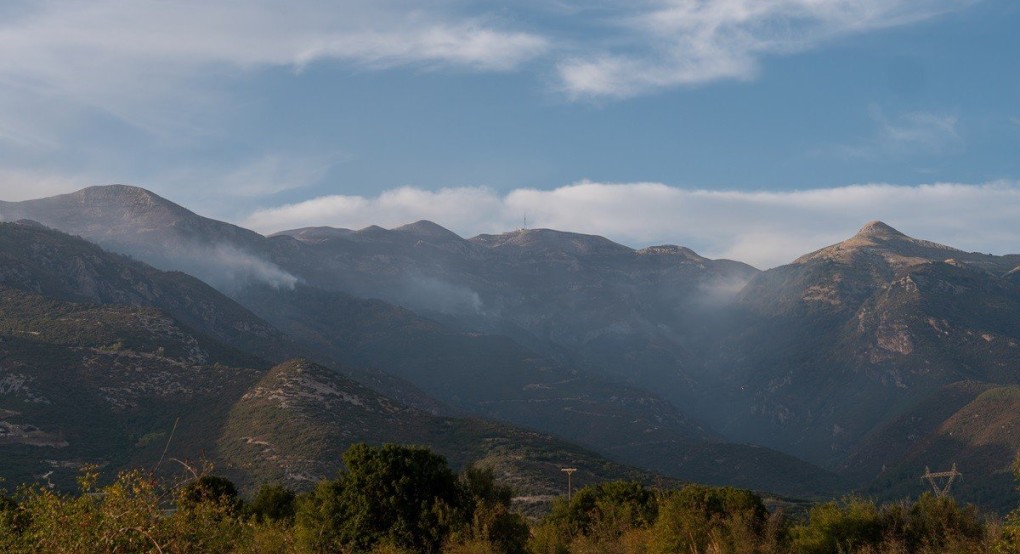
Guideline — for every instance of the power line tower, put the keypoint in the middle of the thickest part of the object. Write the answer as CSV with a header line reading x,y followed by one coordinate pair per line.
x,y
941,481
569,471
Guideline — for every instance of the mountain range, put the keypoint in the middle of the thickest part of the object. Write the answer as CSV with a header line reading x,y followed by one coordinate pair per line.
x,y
852,368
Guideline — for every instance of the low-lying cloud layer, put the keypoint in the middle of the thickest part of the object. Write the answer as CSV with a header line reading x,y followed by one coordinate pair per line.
x,y
764,229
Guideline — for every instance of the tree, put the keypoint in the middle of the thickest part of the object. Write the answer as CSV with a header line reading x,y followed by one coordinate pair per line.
x,y
272,503
404,496
491,520
209,488
698,518
596,515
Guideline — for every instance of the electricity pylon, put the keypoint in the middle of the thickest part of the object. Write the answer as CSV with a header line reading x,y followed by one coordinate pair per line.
x,y
569,471
941,481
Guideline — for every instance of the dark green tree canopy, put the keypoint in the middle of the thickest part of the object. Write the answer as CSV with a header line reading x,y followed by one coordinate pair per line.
x,y
405,496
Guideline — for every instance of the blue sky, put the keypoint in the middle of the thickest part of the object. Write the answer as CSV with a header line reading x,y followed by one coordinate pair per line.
x,y
587,115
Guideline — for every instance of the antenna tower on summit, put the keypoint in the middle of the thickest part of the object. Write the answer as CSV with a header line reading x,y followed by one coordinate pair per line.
x,y
525,228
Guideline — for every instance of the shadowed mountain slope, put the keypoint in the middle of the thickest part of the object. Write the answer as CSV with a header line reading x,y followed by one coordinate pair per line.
x,y
96,368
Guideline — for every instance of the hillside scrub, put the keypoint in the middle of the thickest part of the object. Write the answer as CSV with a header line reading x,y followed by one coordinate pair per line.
x,y
398,500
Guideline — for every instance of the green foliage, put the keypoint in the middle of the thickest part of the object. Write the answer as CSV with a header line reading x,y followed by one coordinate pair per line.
x,y
1009,542
698,518
493,526
128,515
404,500
406,496
208,488
596,518
839,527
272,503
930,524
607,510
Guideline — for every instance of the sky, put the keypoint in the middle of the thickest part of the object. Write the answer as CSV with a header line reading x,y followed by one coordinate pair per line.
x,y
749,129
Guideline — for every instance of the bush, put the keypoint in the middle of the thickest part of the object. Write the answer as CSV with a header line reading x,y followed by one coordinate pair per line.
x,y
595,517
698,518
129,515
839,527
930,524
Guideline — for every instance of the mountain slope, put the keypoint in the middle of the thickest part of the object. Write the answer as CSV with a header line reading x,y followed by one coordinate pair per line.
x,y
94,370
972,425
495,377
522,323
55,265
825,349
295,422
134,221
603,301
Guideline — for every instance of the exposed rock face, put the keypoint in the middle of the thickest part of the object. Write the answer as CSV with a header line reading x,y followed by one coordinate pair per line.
x,y
862,328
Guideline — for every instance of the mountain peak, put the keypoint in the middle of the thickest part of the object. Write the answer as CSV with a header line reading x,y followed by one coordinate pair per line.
x,y
123,195
550,240
896,248
878,229
426,229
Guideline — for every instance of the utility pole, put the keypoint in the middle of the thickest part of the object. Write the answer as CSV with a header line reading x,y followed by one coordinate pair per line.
x,y
569,471
941,481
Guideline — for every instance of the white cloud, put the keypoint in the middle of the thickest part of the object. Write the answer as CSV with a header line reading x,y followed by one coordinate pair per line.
x,y
168,67
688,42
761,228
147,62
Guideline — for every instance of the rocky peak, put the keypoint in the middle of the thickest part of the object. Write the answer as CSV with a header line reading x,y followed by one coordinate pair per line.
x,y
877,240
672,250
878,230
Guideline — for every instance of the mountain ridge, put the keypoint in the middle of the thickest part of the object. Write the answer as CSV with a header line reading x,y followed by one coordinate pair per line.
x,y
809,358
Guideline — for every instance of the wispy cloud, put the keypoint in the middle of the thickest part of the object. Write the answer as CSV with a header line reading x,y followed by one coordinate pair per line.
x,y
905,134
761,228
668,43
144,62
264,175
124,57
928,132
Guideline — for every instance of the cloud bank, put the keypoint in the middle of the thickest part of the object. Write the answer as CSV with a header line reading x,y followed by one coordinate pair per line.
x,y
764,229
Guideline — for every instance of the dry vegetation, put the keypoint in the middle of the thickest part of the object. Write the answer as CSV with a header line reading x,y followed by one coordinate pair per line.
x,y
398,500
